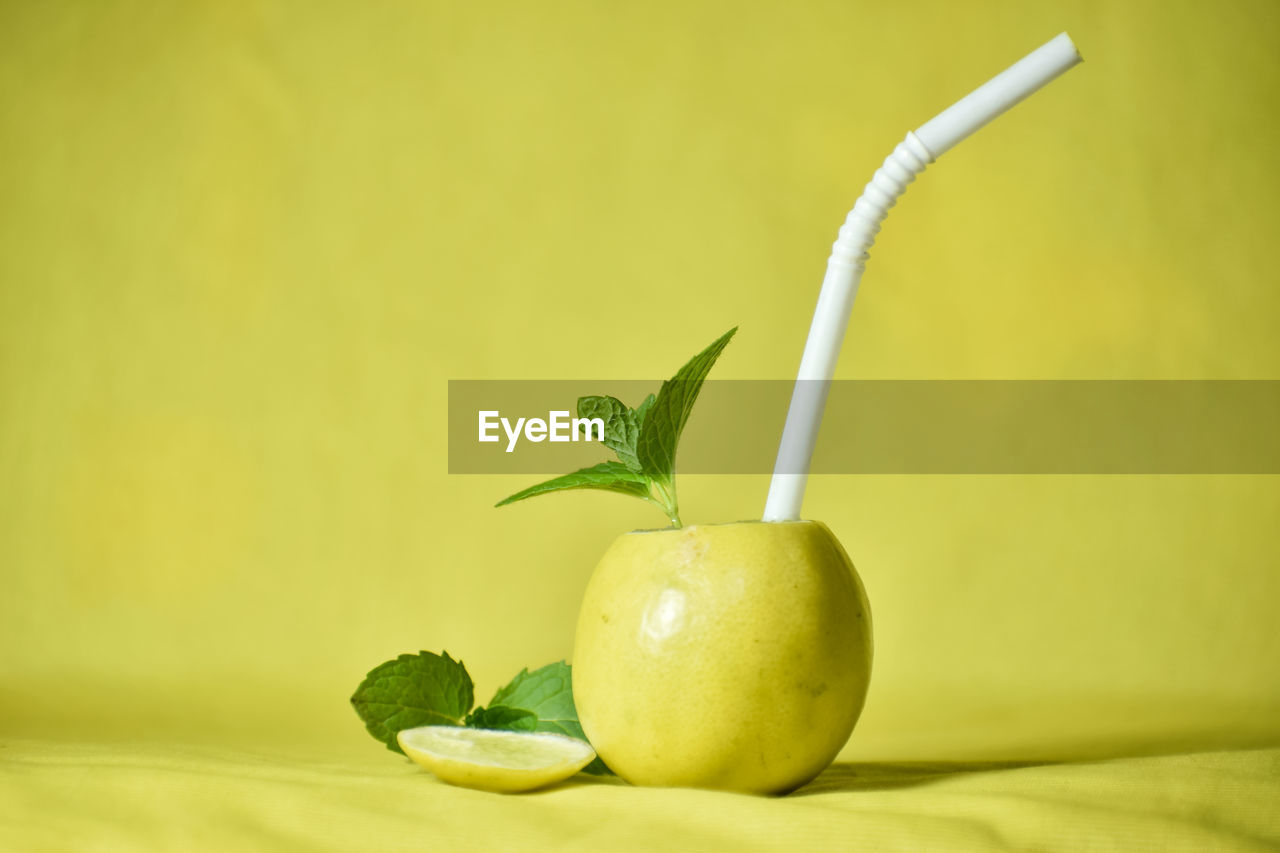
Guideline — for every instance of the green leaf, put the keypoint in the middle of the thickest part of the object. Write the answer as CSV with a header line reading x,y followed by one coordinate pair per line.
x,y
502,718
665,420
413,690
621,426
620,431
548,693
642,410
609,476
644,439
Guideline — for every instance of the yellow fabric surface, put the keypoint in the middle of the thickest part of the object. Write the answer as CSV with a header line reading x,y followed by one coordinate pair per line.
x,y
147,797
244,245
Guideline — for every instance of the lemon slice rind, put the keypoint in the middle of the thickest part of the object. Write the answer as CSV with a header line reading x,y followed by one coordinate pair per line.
x,y
506,762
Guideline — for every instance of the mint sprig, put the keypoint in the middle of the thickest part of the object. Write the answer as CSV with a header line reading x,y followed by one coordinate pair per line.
x,y
644,439
427,689
413,690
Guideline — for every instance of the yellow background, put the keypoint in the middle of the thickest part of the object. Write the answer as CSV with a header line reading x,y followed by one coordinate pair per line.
x,y
243,247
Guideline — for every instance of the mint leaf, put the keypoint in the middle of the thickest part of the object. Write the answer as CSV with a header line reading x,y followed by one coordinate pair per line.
x,y
503,718
427,689
413,690
642,410
621,428
547,693
609,476
644,439
665,420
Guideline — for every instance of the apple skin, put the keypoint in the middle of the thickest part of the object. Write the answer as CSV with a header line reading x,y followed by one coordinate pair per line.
x,y
727,656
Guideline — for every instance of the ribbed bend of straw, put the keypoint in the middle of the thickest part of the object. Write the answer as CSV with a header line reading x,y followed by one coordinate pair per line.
x,y
858,233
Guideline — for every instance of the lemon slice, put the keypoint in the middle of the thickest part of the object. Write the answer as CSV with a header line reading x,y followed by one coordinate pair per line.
x,y
495,761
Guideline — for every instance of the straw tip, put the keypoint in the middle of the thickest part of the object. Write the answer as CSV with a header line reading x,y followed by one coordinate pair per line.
x,y
1066,41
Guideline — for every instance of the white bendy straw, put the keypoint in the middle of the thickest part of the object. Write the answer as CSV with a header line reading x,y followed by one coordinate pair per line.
x,y
849,254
